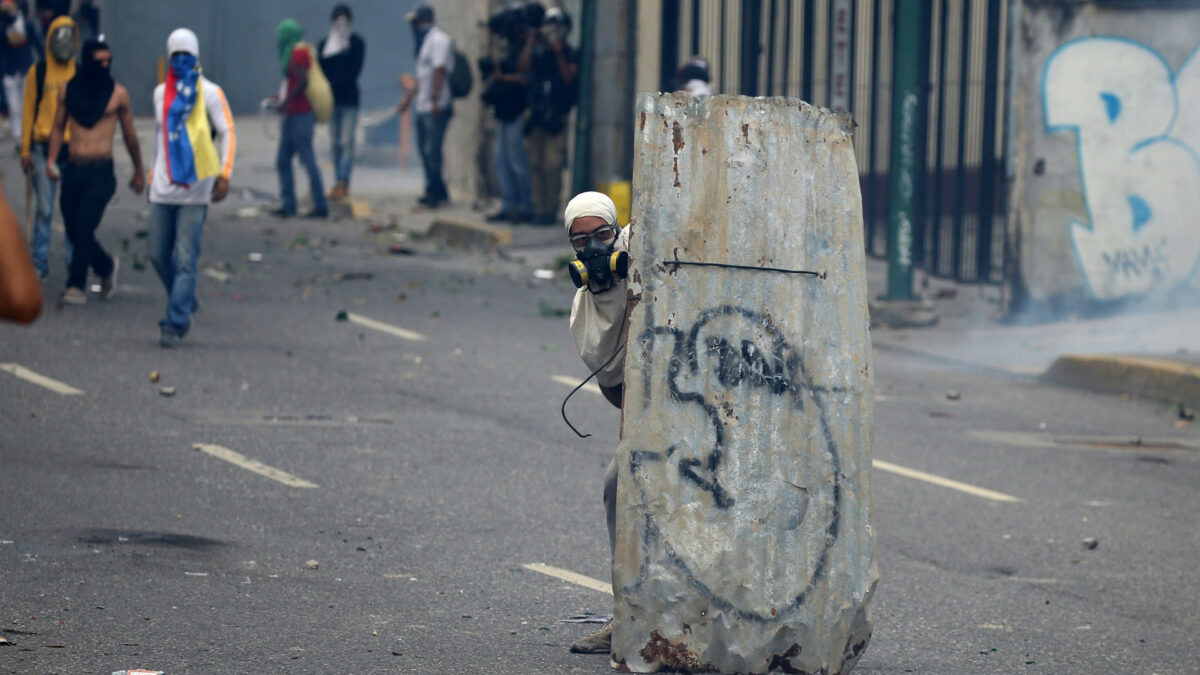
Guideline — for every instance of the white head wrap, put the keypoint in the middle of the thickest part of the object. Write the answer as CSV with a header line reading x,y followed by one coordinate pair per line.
x,y
590,204
183,40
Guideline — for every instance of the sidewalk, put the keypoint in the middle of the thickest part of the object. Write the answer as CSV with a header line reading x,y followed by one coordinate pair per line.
x,y
1153,354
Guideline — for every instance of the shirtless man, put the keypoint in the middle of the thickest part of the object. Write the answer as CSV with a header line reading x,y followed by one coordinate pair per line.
x,y
92,104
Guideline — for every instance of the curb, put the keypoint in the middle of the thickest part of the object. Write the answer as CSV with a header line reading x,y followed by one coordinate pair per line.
x,y
1159,379
469,234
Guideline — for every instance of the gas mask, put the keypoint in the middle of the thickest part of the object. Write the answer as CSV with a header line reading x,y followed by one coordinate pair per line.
x,y
62,43
598,266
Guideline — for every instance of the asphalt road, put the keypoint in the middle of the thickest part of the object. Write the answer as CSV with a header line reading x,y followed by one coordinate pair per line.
x,y
424,468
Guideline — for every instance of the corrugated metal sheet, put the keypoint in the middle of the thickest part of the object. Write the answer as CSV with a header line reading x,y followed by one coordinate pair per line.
x,y
744,494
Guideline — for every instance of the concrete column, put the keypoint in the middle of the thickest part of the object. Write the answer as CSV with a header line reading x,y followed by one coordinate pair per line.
x,y
744,539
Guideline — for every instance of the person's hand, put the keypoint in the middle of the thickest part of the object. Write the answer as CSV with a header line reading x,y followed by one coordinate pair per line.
x,y
138,182
557,45
220,189
52,171
27,165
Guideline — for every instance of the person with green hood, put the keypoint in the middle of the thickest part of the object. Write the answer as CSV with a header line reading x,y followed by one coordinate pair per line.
x,y
296,136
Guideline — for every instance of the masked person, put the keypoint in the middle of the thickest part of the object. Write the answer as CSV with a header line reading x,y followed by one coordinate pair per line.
x,y
89,108
298,123
552,65
16,56
435,63
598,326
42,85
342,55
693,77
193,158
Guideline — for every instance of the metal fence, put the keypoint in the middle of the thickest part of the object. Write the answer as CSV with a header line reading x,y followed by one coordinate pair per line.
x,y
838,54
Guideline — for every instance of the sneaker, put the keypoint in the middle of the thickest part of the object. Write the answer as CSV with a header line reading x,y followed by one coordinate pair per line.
x,y
168,339
281,213
599,642
108,285
316,215
340,191
74,296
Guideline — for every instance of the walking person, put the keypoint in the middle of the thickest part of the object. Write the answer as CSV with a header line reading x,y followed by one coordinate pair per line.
x,y
89,108
16,56
435,63
42,85
194,145
342,55
296,137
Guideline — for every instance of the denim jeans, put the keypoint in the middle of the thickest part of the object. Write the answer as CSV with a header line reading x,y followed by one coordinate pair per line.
x,y
84,194
431,132
547,159
341,133
173,236
512,167
44,189
295,138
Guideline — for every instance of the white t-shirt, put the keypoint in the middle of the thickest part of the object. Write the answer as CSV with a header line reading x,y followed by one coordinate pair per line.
x,y
437,51
162,191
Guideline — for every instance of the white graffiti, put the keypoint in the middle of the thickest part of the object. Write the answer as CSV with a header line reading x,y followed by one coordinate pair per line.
x,y
1137,126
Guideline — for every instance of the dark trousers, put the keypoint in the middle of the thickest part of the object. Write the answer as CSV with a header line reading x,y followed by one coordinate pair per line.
x,y
86,189
431,132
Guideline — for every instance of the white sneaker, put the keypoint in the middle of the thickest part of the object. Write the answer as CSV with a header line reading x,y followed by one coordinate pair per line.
x,y
108,285
74,296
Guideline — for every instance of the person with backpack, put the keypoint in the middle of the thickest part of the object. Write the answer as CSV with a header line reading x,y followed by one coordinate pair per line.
x,y
42,84
342,55
194,145
434,102
299,121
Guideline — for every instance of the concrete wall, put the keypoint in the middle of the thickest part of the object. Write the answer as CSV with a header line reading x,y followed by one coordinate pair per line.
x,y
1105,190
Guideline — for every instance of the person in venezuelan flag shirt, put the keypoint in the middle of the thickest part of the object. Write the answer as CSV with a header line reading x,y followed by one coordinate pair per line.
x,y
194,145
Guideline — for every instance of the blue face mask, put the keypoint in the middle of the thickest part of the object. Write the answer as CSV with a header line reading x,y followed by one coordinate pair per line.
x,y
182,63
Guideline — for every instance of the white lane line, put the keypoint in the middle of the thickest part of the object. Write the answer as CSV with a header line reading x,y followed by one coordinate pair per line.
x,y
40,380
573,382
254,465
569,576
383,327
944,482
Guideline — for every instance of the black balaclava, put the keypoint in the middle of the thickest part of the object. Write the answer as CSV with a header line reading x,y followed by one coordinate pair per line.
x,y
89,92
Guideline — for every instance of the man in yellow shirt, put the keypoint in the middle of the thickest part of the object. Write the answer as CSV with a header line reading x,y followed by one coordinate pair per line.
x,y
41,103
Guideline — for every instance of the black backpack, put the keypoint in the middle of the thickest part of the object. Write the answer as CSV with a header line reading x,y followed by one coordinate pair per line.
x,y
461,79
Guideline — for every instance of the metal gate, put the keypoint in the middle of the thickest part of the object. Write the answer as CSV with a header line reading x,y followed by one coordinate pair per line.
x,y
838,54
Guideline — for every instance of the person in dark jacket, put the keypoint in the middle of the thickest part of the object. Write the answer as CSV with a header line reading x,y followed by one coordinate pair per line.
x,y
16,55
342,54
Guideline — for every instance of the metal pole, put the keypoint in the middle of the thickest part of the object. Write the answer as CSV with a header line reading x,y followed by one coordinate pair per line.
x,y
581,178
908,109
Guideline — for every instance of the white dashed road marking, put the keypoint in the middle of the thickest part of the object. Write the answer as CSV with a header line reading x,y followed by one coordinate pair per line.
x,y
384,328
944,482
569,576
572,383
41,380
254,465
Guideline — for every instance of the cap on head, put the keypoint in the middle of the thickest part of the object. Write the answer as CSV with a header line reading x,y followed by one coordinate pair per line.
x,y
590,204
341,9
556,15
183,40
421,13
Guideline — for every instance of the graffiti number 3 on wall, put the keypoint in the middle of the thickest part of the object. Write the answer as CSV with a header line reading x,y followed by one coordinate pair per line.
x,y
1137,127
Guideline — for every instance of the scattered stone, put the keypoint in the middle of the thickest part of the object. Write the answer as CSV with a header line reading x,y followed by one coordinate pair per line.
x,y
953,395
1090,543
1186,414
154,376
342,316
311,565
255,257
167,392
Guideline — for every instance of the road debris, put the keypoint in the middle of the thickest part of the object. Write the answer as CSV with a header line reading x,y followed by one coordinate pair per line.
x,y
587,617
154,376
342,316
249,212
167,392
953,395
543,274
401,249
255,257
311,565
1090,543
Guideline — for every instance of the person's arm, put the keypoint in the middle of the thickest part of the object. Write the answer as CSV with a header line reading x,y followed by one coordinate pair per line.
x,y
297,72
358,55
566,69
525,60
20,292
125,115
439,80
56,134
27,118
222,123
